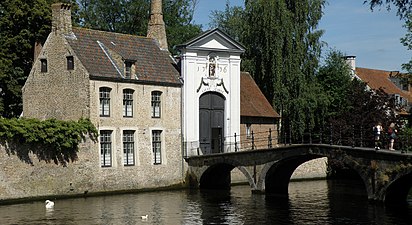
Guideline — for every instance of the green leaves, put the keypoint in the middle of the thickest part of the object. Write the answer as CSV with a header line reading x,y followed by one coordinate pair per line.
x,y
21,24
50,140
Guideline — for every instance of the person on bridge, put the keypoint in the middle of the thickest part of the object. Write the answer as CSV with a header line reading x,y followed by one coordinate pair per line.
x,y
377,130
392,135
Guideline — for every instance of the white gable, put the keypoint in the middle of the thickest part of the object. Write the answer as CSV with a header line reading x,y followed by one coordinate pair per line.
x,y
214,40
214,44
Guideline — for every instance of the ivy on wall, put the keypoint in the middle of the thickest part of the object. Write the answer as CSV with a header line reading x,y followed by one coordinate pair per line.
x,y
50,140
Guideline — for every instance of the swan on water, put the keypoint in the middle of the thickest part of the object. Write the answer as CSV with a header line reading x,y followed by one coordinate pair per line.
x,y
145,217
49,204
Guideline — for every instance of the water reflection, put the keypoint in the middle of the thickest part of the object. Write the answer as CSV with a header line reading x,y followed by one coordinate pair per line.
x,y
311,202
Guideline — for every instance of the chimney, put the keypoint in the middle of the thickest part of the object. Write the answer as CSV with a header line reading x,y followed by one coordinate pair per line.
x,y
351,61
61,18
156,28
37,49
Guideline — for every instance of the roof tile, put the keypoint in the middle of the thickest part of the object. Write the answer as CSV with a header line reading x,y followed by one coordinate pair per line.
x,y
152,64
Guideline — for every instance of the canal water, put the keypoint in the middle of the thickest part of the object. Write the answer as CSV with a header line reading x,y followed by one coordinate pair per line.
x,y
309,202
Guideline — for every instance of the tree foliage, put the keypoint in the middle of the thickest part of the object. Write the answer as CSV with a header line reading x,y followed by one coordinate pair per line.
x,y
230,20
49,140
282,53
21,24
404,7
132,16
407,42
353,109
335,78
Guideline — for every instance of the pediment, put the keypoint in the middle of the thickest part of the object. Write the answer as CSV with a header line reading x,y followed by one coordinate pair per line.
x,y
215,40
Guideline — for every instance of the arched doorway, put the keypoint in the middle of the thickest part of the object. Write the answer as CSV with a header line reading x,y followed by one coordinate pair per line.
x,y
211,122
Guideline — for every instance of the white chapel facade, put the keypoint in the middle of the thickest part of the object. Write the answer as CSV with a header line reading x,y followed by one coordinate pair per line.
x,y
210,69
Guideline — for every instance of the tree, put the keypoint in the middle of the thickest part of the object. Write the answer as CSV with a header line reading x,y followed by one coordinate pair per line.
x,y
335,78
282,53
353,109
230,20
22,23
131,17
178,16
407,42
404,6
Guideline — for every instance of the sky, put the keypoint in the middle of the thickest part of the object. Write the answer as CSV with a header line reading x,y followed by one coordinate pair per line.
x,y
350,27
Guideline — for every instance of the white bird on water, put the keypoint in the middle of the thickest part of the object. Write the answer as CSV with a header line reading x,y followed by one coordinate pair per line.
x,y
49,204
145,217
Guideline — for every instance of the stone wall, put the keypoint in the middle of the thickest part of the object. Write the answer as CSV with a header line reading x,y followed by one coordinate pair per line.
x,y
58,93
20,180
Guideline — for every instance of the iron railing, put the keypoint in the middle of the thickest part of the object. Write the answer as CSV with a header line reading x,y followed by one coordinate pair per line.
x,y
354,137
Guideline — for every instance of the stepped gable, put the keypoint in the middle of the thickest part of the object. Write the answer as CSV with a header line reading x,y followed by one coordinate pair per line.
x,y
94,49
252,101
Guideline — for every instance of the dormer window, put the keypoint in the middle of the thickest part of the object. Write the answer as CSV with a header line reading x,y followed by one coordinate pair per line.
x,y
70,62
128,69
43,65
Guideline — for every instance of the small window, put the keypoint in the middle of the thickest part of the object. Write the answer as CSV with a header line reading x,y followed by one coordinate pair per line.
x,y
106,148
104,95
156,104
70,63
127,103
43,64
157,146
248,131
128,147
128,70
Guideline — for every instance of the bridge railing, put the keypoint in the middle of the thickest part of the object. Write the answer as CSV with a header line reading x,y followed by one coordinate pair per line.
x,y
352,136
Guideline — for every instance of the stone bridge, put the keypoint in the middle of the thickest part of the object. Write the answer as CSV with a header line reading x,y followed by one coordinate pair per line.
x,y
387,175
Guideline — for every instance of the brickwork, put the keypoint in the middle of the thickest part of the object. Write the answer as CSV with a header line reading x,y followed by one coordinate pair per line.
x,y
261,136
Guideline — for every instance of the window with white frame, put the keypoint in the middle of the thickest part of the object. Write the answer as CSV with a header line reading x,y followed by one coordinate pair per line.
x,y
127,103
157,146
106,148
128,147
104,96
248,131
156,104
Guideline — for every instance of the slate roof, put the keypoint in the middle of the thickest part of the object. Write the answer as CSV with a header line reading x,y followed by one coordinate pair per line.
x,y
152,64
380,79
252,101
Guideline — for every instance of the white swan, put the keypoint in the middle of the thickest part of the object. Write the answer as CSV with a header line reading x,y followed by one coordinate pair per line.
x,y
145,217
49,204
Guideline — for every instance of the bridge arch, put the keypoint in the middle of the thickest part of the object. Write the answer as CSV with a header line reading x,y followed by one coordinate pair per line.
x,y
275,176
218,176
398,190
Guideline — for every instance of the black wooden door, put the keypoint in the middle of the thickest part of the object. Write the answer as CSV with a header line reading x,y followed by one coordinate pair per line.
x,y
211,122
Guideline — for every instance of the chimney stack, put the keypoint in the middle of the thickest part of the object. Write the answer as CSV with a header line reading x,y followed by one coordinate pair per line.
x,y
61,18
156,28
351,61
37,49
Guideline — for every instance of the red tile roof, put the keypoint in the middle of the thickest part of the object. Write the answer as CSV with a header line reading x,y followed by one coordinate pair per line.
x,y
376,79
152,64
252,101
